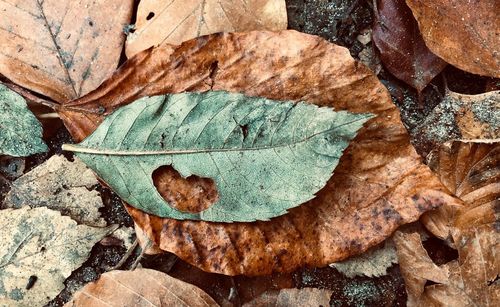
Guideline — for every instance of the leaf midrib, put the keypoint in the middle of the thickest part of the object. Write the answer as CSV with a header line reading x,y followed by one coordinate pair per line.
x,y
54,41
112,152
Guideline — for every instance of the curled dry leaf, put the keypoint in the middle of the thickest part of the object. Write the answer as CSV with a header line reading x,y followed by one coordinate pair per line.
x,y
471,171
141,287
460,116
372,263
59,185
416,266
305,297
61,49
20,131
465,34
402,49
40,249
379,184
468,281
173,22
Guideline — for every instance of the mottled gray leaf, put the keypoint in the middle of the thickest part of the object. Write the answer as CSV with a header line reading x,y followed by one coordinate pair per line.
x,y
20,131
265,157
60,185
40,249
305,297
372,263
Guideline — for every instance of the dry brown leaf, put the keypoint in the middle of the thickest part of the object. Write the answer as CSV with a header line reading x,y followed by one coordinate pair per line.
x,y
461,116
60,185
470,281
305,297
176,21
40,249
379,184
471,171
416,266
465,34
141,287
61,49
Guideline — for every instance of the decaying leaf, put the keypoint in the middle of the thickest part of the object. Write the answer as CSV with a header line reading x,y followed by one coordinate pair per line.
x,y
460,116
402,49
471,171
468,281
463,33
306,297
141,287
40,248
59,185
62,49
372,263
20,131
176,21
264,156
379,184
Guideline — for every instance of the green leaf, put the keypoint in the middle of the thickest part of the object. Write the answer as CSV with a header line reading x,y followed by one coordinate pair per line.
x,y
20,131
264,156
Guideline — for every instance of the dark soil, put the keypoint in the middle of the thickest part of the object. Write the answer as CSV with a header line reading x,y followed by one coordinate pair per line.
x,y
340,22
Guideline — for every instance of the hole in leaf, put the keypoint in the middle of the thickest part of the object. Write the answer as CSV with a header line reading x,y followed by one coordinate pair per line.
x,y
244,130
192,194
150,16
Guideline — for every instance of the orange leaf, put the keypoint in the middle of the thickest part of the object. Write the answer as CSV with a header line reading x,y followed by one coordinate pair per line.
x,y
379,184
462,33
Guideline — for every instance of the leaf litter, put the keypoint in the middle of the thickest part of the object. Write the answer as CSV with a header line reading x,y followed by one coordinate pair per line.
x,y
215,69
